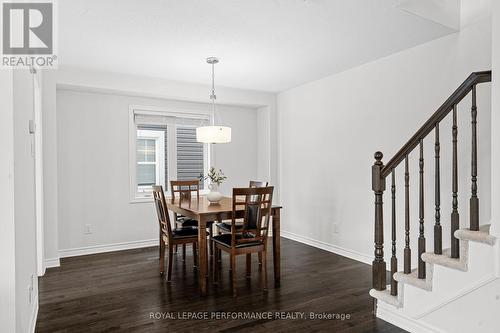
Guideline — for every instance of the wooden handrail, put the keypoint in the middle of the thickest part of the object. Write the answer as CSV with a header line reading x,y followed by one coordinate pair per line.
x,y
429,125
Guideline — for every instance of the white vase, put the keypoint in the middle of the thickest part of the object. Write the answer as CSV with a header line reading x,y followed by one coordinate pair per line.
x,y
214,196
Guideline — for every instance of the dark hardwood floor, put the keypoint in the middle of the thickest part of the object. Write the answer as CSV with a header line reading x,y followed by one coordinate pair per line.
x,y
121,291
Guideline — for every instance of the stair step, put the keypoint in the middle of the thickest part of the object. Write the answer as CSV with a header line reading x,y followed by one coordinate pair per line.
x,y
430,258
481,236
385,296
445,260
412,279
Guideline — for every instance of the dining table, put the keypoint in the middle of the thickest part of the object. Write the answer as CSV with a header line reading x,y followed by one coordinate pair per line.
x,y
202,210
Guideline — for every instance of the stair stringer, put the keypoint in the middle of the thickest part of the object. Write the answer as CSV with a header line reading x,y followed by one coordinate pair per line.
x,y
447,279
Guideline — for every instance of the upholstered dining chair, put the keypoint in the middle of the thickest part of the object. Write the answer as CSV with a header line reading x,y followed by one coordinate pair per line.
x,y
252,236
185,190
226,226
171,236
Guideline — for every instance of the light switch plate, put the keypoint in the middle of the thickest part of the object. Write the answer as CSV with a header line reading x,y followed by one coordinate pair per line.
x,y
32,126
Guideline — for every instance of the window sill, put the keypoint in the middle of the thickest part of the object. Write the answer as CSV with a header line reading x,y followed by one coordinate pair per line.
x,y
139,200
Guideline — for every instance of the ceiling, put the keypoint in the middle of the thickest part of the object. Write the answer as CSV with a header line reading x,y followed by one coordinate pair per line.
x,y
266,45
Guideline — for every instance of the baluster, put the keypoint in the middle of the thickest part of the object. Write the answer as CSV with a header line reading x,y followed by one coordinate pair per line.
x,y
421,237
455,219
407,250
378,186
438,232
394,259
474,201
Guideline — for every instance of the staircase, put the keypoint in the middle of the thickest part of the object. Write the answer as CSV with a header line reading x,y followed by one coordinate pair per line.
x,y
410,297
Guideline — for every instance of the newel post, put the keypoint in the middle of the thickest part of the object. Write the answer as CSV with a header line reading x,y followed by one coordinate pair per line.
x,y
378,187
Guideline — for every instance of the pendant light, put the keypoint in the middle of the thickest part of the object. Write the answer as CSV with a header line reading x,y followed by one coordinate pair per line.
x,y
213,133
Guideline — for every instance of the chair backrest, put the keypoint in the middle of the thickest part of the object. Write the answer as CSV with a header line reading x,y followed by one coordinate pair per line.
x,y
185,188
257,203
162,210
256,183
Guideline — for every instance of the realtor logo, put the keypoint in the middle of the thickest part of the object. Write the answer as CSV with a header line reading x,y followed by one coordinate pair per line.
x,y
28,34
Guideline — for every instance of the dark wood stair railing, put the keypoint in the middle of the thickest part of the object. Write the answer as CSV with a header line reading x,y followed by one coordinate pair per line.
x,y
407,251
380,172
455,218
421,237
438,230
394,259
474,201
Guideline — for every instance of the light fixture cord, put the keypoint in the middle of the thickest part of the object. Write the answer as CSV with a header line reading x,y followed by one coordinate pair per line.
x,y
212,96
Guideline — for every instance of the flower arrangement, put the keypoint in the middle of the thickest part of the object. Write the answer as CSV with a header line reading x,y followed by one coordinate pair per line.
x,y
216,177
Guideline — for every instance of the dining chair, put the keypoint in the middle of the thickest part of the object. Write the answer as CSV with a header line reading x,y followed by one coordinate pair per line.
x,y
226,226
256,204
185,190
169,236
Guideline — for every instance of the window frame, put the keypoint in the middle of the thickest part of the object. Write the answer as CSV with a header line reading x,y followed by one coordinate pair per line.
x,y
159,139
138,197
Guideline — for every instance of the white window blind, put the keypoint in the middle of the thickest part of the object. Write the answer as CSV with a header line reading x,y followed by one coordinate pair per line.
x,y
190,154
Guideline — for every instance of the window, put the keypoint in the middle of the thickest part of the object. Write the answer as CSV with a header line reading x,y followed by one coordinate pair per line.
x,y
163,146
150,156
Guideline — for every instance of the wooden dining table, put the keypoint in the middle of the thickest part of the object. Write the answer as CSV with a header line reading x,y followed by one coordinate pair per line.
x,y
203,211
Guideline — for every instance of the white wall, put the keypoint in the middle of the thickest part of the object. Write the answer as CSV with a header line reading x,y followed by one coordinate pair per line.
x,y
24,202
495,127
330,128
263,147
93,165
160,88
7,216
50,173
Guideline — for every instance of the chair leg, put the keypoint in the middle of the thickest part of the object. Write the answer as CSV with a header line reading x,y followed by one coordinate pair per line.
x,y
161,243
264,276
249,265
175,248
211,233
195,255
260,260
183,252
208,263
215,266
233,274
170,259
162,257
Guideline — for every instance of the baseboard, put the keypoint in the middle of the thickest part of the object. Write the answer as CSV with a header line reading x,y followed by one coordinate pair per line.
x,y
81,251
358,256
49,263
34,315
404,322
